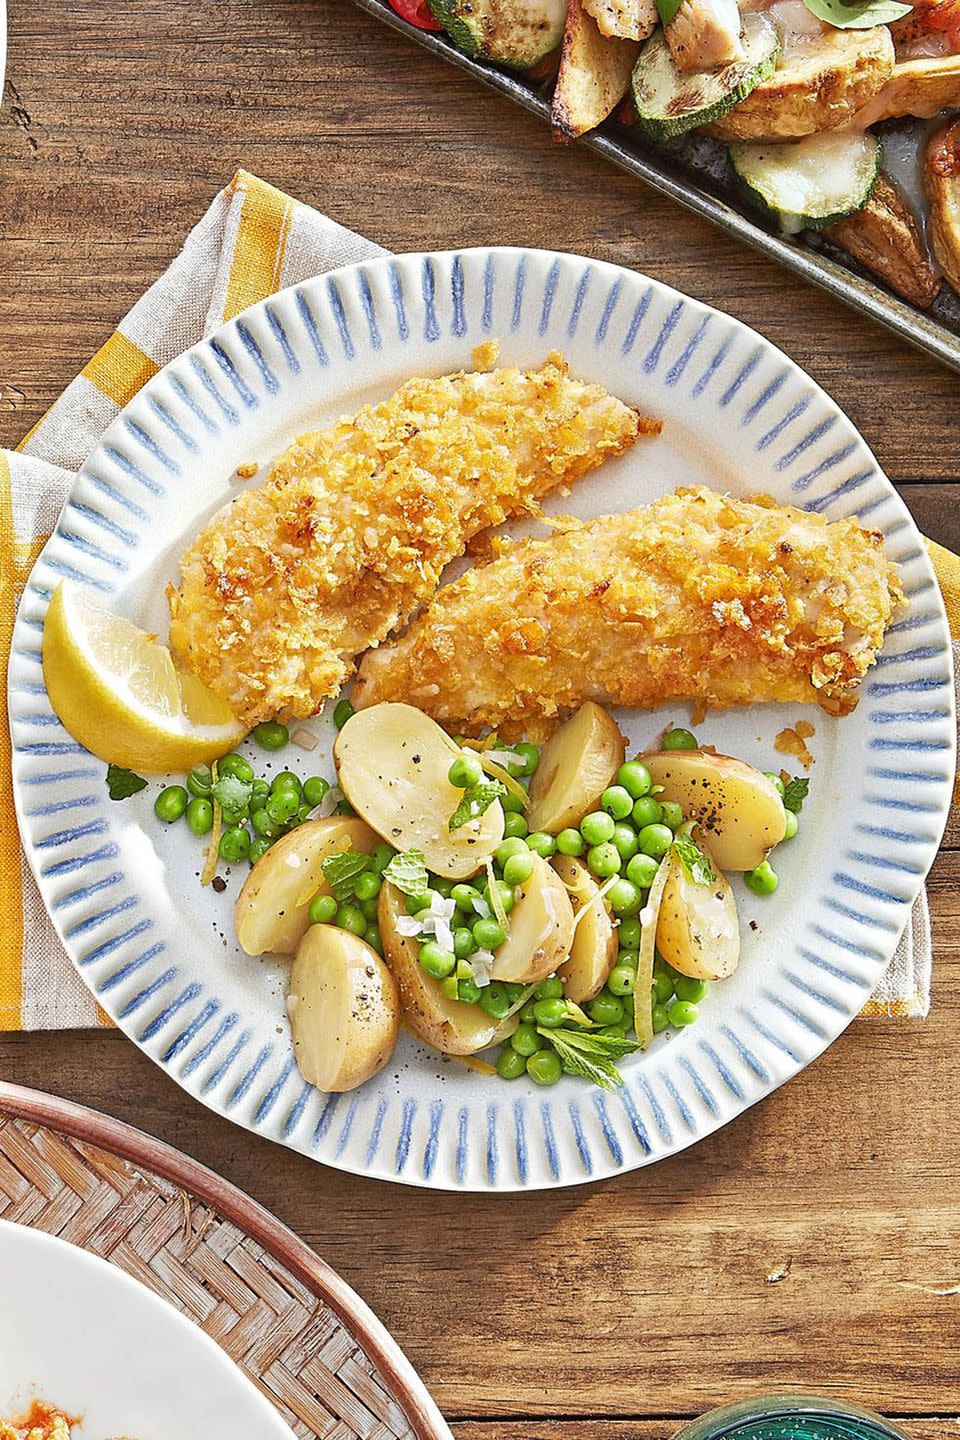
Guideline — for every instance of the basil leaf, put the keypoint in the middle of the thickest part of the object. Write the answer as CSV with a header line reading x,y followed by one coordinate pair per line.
x,y
407,872
476,800
693,860
121,784
340,871
795,793
667,9
860,15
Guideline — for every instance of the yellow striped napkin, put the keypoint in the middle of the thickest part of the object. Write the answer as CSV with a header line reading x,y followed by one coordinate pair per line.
x,y
252,241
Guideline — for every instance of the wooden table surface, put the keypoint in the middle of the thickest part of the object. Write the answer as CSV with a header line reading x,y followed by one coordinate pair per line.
x,y
618,1309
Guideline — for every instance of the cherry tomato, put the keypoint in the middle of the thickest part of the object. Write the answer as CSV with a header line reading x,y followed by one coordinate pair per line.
x,y
416,12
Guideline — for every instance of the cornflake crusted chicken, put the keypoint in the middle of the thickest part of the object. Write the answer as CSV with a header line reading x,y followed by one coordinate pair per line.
x,y
696,597
42,1422
353,527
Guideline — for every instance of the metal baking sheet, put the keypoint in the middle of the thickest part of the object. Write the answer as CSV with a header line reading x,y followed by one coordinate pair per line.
x,y
695,172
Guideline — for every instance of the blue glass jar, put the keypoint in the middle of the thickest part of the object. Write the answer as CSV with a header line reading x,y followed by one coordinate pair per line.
x,y
790,1417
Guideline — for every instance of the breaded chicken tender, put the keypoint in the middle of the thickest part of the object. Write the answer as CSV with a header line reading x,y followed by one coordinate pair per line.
x,y
696,597
350,532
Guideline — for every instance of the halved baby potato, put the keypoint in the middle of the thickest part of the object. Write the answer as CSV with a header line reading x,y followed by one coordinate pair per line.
x,y
540,933
698,931
271,913
594,950
392,763
446,1025
576,765
344,1009
739,811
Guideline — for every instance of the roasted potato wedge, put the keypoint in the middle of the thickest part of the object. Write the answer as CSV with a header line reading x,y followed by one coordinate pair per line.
x,y
941,180
885,238
392,762
817,85
916,87
738,810
578,762
344,1009
271,913
593,953
594,74
541,929
698,931
444,1024
625,19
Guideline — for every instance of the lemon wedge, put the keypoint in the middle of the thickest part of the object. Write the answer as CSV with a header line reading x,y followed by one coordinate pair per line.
x,y
117,691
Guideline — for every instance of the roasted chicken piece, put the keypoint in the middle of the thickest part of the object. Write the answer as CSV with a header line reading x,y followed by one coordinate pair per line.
x,y
705,34
696,597
350,532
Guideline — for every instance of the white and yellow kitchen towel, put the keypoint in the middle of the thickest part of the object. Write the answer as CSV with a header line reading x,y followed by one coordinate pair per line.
x,y
252,241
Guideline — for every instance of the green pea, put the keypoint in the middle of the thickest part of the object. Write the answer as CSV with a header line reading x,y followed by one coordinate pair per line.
x,y
450,987
646,811
258,794
352,918
506,896
270,735
200,815
234,844
464,944
597,827
681,1012
367,885
286,780
442,885
370,908
622,981
170,804
549,989
623,897
530,756
617,801
764,880
237,766
687,988
542,844
514,825
671,814
200,780
679,740
628,931
323,909
518,869
655,840
495,999
635,778
468,992
234,814
570,842
662,988
315,788
418,902
259,847
381,858
302,814
776,782
793,824
625,839
603,860
526,1014
463,896
489,934
282,806
264,824
605,1009
630,958
436,961
512,805
550,1013
341,713
525,1039
614,1032
641,871
516,845
373,938
344,808
659,1019
510,1065
544,1068
465,771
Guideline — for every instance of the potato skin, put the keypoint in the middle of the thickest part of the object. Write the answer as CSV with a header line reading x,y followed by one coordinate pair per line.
x,y
738,811
343,1000
885,238
541,929
698,931
577,764
593,953
817,87
941,180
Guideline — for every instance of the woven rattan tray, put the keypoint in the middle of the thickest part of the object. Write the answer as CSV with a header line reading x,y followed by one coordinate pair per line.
x,y
291,1324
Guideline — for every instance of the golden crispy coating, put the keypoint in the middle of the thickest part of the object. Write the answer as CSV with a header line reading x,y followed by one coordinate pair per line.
x,y
695,597
289,583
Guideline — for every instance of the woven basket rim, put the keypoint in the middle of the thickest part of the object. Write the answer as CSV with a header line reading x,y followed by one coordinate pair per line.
x,y
93,1127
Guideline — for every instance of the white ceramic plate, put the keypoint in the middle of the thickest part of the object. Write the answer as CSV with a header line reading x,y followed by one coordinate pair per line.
x,y
159,953
84,1336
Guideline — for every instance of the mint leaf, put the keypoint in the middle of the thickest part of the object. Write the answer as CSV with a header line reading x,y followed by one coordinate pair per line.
x,y
231,793
599,1069
860,15
693,860
407,872
609,1047
341,870
666,9
121,784
795,793
476,800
